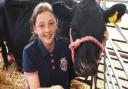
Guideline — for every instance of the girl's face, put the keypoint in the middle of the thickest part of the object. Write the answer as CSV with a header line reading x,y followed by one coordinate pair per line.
x,y
46,27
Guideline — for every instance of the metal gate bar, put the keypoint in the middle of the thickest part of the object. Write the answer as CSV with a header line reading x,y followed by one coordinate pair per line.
x,y
121,33
119,57
110,74
116,53
113,69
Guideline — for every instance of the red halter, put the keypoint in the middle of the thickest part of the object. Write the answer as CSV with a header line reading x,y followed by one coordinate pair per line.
x,y
74,44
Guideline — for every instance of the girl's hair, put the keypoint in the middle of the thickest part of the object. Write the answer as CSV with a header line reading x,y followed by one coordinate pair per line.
x,y
41,7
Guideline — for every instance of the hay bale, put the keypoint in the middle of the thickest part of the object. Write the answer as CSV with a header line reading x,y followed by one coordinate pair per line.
x,y
75,84
11,78
14,80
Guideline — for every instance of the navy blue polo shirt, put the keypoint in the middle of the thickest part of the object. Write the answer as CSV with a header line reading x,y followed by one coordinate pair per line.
x,y
54,68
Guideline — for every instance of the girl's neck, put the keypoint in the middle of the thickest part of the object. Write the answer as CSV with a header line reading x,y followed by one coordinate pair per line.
x,y
49,47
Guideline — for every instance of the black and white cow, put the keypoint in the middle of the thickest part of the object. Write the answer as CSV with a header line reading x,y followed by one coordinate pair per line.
x,y
88,32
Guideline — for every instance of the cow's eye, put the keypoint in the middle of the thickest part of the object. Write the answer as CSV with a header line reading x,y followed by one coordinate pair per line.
x,y
75,36
74,33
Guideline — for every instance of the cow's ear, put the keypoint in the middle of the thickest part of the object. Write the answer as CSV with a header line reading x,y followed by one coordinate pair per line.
x,y
114,14
62,11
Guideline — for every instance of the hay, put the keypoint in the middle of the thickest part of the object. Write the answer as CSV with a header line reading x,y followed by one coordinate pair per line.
x,y
75,84
11,78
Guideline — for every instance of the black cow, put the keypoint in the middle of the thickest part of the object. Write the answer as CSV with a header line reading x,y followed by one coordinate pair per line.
x,y
87,32
15,29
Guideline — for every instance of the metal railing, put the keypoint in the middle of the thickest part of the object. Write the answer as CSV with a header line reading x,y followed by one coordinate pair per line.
x,y
110,71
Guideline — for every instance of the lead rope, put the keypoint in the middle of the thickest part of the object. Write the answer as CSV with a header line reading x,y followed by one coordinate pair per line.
x,y
71,47
77,42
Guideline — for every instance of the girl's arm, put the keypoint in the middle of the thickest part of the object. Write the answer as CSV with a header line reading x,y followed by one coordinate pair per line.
x,y
33,81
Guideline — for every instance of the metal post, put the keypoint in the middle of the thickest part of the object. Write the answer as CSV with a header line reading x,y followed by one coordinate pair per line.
x,y
110,74
119,57
113,69
107,81
121,33
104,4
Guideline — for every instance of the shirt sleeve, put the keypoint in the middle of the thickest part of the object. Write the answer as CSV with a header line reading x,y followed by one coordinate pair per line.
x,y
29,66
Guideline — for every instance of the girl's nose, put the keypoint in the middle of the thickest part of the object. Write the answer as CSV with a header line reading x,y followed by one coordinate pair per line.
x,y
47,29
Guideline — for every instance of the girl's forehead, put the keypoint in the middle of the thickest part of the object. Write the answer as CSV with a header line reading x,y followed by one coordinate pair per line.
x,y
45,16
46,13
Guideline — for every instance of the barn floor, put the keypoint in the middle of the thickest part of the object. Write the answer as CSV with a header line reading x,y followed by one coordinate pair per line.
x,y
12,79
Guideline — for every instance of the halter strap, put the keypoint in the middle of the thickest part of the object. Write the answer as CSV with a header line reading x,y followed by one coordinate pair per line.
x,y
74,44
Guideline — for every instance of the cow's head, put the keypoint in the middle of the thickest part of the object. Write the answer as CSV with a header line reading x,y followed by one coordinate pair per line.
x,y
87,23
88,31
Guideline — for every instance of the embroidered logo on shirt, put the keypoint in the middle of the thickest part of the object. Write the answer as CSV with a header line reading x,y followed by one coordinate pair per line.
x,y
63,64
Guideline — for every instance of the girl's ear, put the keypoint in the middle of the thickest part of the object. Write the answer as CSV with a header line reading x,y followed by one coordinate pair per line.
x,y
62,11
34,29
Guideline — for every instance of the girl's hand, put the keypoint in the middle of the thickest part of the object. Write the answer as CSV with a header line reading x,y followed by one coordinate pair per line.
x,y
57,87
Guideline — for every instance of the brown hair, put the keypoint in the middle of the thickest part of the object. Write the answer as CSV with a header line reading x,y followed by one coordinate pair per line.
x,y
41,7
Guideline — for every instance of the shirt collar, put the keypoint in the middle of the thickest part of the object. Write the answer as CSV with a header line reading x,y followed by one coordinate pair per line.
x,y
43,50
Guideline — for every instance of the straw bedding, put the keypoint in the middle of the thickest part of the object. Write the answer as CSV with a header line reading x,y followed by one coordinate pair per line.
x,y
79,85
12,79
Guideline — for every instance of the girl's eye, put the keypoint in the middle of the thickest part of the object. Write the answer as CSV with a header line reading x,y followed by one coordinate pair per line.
x,y
41,26
51,23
